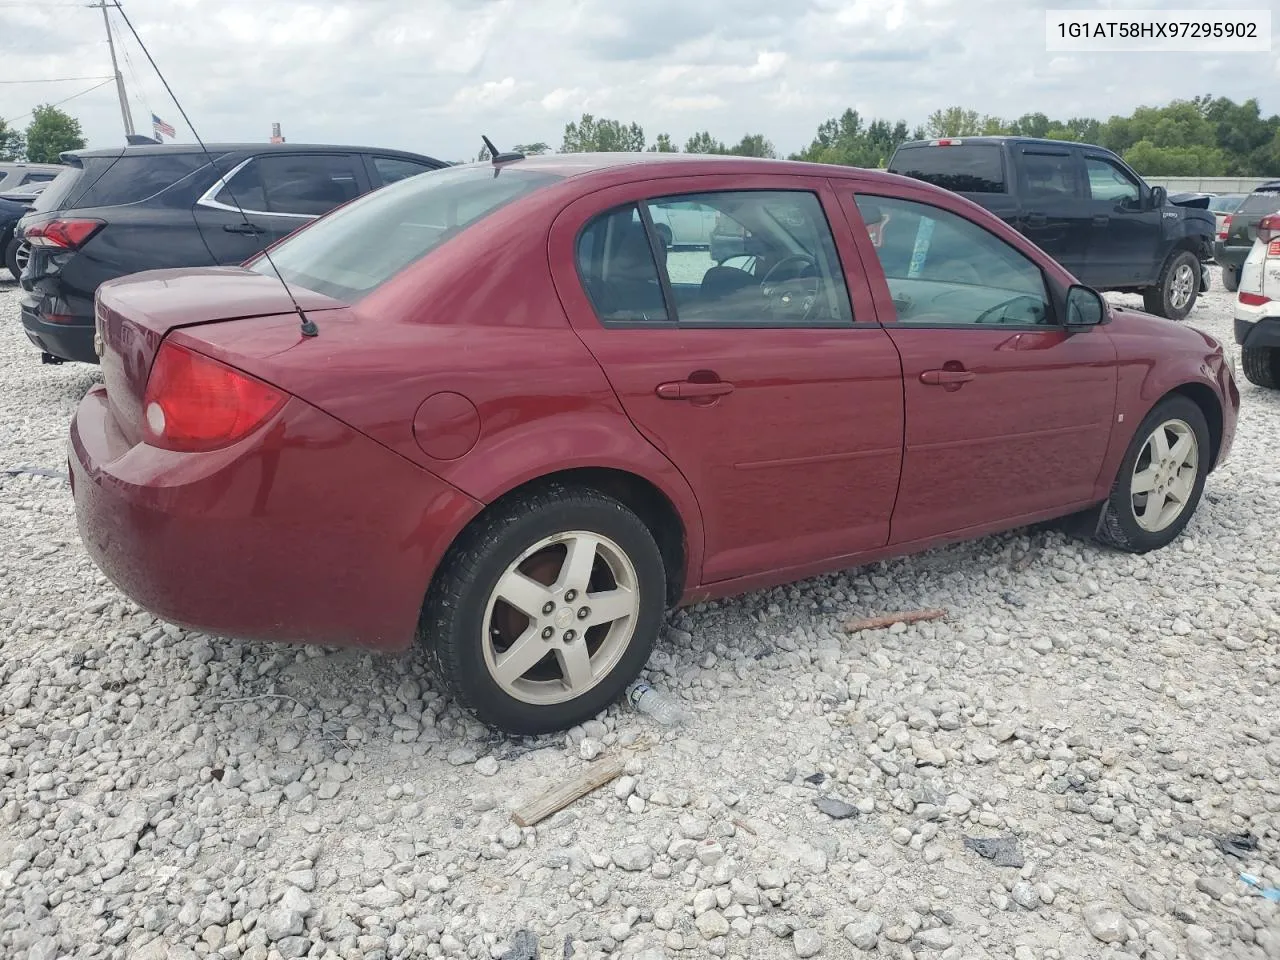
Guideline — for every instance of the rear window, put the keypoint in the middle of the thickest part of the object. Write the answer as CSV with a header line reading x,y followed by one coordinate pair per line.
x,y
111,181
1262,201
364,244
1226,204
966,168
63,184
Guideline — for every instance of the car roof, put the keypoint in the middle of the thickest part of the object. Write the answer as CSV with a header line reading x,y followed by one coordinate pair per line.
x,y
10,165
1006,138
178,149
681,164
1269,185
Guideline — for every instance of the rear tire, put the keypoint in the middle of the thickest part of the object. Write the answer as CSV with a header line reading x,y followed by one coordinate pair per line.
x,y
1261,366
664,234
1137,520
1231,279
537,662
1175,292
11,257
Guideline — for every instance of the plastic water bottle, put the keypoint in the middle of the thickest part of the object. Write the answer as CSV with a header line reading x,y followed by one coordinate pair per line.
x,y
654,703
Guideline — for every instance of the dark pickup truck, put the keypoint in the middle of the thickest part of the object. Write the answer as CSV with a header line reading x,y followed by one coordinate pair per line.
x,y
1084,207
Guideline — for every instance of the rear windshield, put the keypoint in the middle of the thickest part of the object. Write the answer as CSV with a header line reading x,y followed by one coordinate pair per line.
x,y
966,168
1221,204
57,192
112,181
1265,200
364,244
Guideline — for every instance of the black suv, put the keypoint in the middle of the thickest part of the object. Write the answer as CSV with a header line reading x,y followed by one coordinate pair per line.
x,y
1240,228
122,210
1083,206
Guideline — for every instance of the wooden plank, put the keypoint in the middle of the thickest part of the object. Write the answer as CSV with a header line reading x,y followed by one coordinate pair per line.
x,y
559,797
889,619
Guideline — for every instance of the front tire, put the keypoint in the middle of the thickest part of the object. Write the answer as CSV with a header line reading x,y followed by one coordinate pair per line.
x,y
1175,292
1160,480
1261,366
545,609
1231,279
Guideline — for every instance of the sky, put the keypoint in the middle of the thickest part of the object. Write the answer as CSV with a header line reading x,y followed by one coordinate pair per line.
x,y
433,75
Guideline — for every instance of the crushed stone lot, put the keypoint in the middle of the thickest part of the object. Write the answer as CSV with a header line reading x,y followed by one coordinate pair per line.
x,y
1078,763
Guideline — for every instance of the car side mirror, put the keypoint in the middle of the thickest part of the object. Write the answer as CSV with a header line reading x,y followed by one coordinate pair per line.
x,y
1085,307
1159,196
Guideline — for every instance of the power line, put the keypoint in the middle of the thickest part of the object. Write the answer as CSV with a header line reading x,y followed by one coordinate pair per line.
x,y
58,79
61,102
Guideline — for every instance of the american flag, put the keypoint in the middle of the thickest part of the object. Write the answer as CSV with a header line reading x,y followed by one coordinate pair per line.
x,y
162,128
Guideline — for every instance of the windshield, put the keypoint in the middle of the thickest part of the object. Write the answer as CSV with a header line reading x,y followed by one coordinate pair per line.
x,y
362,245
1264,200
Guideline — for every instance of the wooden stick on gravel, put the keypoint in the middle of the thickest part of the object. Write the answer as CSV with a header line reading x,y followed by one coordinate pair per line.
x,y
557,798
889,619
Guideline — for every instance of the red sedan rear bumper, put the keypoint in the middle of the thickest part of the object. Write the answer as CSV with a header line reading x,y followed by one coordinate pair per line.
x,y
305,531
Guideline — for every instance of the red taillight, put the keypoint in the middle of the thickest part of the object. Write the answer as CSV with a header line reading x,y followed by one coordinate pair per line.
x,y
1269,228
1253,299
1273,248
1226,227
67,234
195,403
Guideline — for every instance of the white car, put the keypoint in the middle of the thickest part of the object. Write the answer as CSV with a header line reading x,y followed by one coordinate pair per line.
x,y
684,224
1258,307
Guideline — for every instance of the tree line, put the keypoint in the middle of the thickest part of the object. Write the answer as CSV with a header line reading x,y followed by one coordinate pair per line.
x,y
50,132
1205,136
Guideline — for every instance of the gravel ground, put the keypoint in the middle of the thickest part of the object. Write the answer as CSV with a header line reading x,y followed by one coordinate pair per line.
x,y
1106,719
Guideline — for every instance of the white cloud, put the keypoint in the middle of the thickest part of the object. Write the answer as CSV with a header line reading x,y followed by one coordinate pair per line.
x,y
431,75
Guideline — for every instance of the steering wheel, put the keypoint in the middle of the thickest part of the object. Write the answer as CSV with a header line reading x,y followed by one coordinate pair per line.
x,y
1003,306
794,296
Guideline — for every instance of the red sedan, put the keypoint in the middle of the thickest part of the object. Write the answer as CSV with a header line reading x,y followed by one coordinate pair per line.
x,y
525,428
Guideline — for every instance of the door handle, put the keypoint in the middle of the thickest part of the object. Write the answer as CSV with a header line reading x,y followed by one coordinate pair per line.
x,y
244,229
693,390
943,378
1037,219
1101,220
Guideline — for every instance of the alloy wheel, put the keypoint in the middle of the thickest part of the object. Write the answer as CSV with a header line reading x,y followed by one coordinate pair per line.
x,y
1164,476
1184,281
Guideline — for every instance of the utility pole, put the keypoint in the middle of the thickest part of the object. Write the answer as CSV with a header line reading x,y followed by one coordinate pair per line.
x,y
115,68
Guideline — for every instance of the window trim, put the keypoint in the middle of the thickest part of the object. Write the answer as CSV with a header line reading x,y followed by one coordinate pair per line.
x,y
1050,287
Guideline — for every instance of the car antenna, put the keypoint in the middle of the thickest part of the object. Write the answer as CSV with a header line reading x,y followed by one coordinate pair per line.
x,y
497,157
308,326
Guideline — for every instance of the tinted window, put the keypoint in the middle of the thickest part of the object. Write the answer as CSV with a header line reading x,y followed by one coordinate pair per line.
x,y
785,272
306,184
38,177
943,269
365,244
1108,182
60,189
967,168
618,271
1262,201
133,178
1225,204
1049,174
391,169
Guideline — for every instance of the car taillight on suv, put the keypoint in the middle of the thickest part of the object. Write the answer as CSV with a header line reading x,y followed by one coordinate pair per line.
x,y
1226,227
63,234
1269,229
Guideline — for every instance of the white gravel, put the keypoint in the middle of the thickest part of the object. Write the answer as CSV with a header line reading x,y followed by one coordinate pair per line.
x,y
169,795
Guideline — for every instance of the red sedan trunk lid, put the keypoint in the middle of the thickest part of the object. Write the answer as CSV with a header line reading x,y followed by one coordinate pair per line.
x,y
135,313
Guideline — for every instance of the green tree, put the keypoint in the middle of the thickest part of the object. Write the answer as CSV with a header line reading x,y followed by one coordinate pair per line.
x,y
13,145
532,149
704,142
664,145
1175,161
846,140
954,122
590,135
50,132
752,145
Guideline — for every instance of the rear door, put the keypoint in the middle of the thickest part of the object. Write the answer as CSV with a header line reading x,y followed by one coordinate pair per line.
x,y
1055,213
278,192
772,390
1125,235
1008,416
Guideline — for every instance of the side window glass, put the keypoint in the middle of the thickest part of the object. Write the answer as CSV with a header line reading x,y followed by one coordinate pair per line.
x,y
618,271
244,189
1049,175
945,270
308,184
1108,182
391,169
769,259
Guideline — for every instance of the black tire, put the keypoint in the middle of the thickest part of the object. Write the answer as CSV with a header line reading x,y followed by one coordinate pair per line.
x,y
453,628
1231,279
664,234
1159,299
11,256
1261,366
1117,522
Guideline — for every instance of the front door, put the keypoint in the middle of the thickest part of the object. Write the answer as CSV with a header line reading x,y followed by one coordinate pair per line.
x,y
278,193
1125,237
1007,414
762,382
